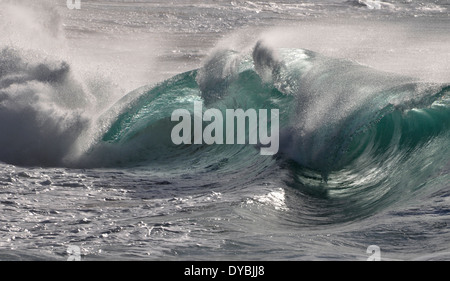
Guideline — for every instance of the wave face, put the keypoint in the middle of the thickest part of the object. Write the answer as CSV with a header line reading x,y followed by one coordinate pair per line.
x,y
345,129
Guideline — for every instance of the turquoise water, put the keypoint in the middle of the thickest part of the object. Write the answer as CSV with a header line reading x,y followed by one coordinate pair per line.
x,y
367,143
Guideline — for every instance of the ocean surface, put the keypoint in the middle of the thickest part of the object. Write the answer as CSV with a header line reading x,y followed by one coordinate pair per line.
x,y
88,169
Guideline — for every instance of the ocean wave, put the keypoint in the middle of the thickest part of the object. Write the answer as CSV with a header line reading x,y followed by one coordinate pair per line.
x,y
346,130
325,103
41,109
372,4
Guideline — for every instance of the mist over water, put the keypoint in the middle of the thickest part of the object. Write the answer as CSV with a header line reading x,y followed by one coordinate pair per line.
x,y
87,160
